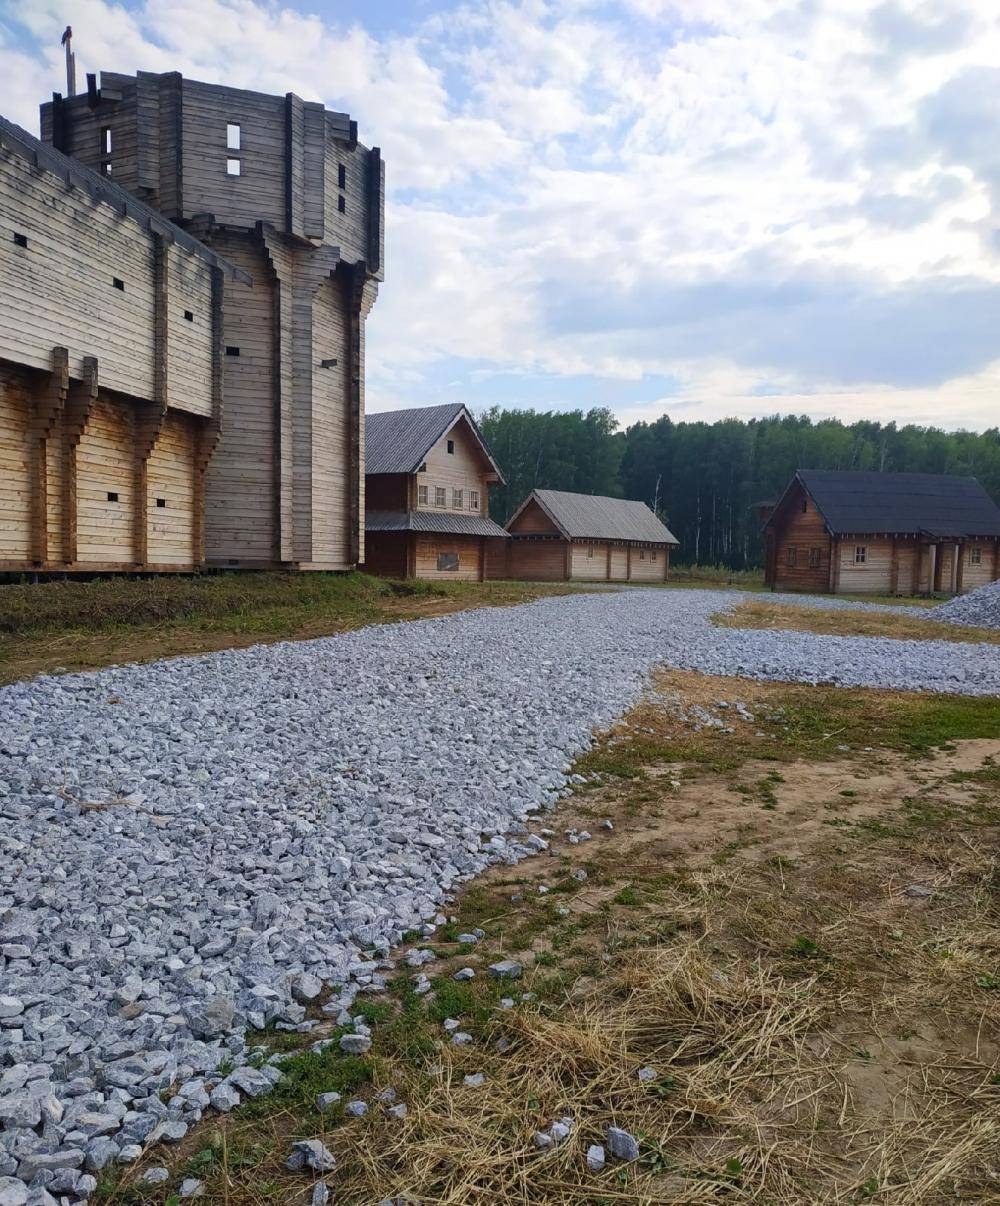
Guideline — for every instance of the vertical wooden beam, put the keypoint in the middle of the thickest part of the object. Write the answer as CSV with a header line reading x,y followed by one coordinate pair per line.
x,y
482,563
80,398
959,566
894,568
628,563
666,562
49,404
935,569
568,561
835,554
607,562
996,560
208,434
149,420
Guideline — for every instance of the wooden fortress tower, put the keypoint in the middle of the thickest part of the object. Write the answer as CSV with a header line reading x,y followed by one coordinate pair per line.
x,y
284,207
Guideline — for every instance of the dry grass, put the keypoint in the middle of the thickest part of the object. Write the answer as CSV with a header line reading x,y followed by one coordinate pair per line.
x,y
75,625
760,613
817,1034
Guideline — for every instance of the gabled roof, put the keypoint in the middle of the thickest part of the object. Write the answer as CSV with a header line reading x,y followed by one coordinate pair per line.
x,y
40,155
398,441
432,521
595,517
939,505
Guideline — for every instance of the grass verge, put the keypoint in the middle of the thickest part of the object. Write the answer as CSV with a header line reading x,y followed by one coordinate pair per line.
x,y
760,613
74,625
794,924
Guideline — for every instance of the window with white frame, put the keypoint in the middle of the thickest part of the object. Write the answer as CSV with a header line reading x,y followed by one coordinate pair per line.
x,y
652,554
473,500
456,500
860,554
590,550
642,554
422,495
440,496
975,555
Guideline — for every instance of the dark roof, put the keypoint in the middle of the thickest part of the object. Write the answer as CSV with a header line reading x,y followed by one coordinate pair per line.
x,y
934,504
17,140
432,521
398,441
594,517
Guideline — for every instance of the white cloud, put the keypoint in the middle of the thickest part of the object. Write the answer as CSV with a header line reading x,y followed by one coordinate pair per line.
x,y
569,178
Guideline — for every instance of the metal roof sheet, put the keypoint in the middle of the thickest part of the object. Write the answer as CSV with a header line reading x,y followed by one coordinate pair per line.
x,y
454,524
100,188
936,504
596,517
398,441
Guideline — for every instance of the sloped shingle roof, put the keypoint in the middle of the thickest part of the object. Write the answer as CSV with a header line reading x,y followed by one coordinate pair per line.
x,y
936,504
595,517
398,441
432,521
101,188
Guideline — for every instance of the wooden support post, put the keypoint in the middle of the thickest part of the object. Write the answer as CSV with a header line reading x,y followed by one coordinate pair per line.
x,y
80,399
607,561
208,435
996,560
835,553
936,568
568,561
49,406
666,562
149,420
959,566
482,563
628,563
894,568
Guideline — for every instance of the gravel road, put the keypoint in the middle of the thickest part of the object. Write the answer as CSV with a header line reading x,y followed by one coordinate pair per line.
x,y
192,847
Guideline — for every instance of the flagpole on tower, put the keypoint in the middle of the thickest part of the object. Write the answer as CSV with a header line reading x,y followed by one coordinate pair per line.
x,y
67,41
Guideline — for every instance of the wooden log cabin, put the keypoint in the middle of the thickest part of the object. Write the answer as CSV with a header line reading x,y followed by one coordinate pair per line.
x,y
428,474
846,532
282,189
558,535
110,371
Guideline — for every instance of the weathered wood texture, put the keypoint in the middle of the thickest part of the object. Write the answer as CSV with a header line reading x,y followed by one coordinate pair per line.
x,y
431,548
802,546
254,176
537,560
462,474
88,516
60,290
532,519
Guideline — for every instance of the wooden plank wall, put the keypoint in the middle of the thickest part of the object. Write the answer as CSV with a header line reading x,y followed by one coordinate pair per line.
x,y
875,575
465,469
15,452
59,290
589,560
349,230
329,499
648,564
239,485
258,193
104,465
171,478
532,519
468,549
801,531
538,560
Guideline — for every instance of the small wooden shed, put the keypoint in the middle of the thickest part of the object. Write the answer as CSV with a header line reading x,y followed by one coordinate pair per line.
x,y
427,478
850,532
557,535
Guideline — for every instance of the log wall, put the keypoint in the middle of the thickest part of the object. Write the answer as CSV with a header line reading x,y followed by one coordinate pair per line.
x,y
428,547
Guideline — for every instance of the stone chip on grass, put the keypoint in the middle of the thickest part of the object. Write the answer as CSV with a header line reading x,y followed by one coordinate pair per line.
x,y
621,1144
310,1153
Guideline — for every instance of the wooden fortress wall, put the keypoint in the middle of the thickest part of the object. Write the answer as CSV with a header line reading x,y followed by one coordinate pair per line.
x,y
303,214
109,382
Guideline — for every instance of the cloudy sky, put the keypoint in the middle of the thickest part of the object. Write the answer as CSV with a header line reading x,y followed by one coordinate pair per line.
x,y
694,207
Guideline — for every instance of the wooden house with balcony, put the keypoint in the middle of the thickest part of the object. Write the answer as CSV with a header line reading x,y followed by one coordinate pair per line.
x,y
844,532
558,535
428,472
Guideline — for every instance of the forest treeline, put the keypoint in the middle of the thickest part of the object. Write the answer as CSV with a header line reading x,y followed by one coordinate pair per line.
x,y
702,478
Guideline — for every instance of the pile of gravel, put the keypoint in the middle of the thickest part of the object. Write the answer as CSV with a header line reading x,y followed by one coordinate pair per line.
x,y
980,607
193,849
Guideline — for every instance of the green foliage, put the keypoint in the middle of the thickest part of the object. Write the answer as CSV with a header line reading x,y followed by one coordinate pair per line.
x,y
703,478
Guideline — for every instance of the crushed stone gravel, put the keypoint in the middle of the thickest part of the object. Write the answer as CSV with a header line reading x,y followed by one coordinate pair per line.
x,y
188,848
980,608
